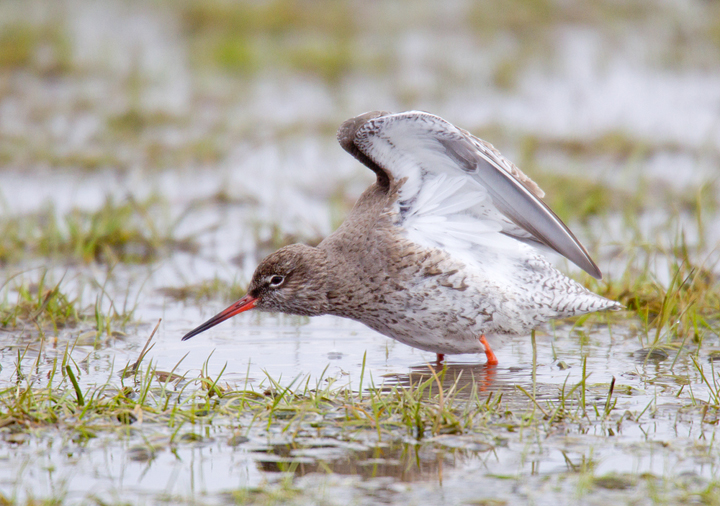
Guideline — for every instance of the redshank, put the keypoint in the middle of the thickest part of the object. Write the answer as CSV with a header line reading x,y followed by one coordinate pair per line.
x,y
443,252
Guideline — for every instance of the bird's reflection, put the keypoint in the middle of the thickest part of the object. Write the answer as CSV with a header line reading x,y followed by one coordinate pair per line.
x,y
464,380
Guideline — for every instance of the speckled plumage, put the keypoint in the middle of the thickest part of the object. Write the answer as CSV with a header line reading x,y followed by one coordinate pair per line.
x,y
427,299
444,247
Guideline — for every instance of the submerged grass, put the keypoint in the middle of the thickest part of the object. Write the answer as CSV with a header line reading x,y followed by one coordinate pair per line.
x,y
428,407
437,411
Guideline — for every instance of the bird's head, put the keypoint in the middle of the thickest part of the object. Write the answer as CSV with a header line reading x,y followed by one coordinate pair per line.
x,y
292,280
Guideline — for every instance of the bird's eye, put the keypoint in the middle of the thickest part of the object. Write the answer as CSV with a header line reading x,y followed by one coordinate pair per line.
x,y
276,281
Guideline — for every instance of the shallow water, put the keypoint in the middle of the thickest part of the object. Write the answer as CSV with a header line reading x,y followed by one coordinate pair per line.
x,y
205,461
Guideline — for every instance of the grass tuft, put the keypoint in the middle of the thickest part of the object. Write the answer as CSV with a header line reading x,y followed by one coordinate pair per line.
x,y
40,305
117,232
45,305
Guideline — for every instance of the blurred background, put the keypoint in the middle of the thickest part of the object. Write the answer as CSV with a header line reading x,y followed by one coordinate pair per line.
x,y
175,142
243,98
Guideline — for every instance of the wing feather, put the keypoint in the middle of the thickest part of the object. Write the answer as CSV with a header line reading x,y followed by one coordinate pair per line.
x,y
451,174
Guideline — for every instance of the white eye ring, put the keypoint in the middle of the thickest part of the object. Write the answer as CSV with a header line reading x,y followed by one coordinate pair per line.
x,y
275,280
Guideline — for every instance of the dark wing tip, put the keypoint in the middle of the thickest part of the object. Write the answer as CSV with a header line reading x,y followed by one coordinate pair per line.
x,y
590,267
518,202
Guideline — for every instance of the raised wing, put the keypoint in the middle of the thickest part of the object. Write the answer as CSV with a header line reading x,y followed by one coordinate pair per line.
x,y
457,187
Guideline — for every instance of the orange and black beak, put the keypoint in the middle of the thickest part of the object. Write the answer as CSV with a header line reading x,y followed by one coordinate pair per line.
x,y
247,302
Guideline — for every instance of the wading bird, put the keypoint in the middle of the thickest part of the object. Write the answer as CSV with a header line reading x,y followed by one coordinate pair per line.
x,y
443,252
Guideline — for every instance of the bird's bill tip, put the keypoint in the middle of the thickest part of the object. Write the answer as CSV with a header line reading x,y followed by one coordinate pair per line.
x,y
244,304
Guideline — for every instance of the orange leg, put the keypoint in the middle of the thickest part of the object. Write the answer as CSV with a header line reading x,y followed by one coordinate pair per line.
x,y
440,357
491,358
